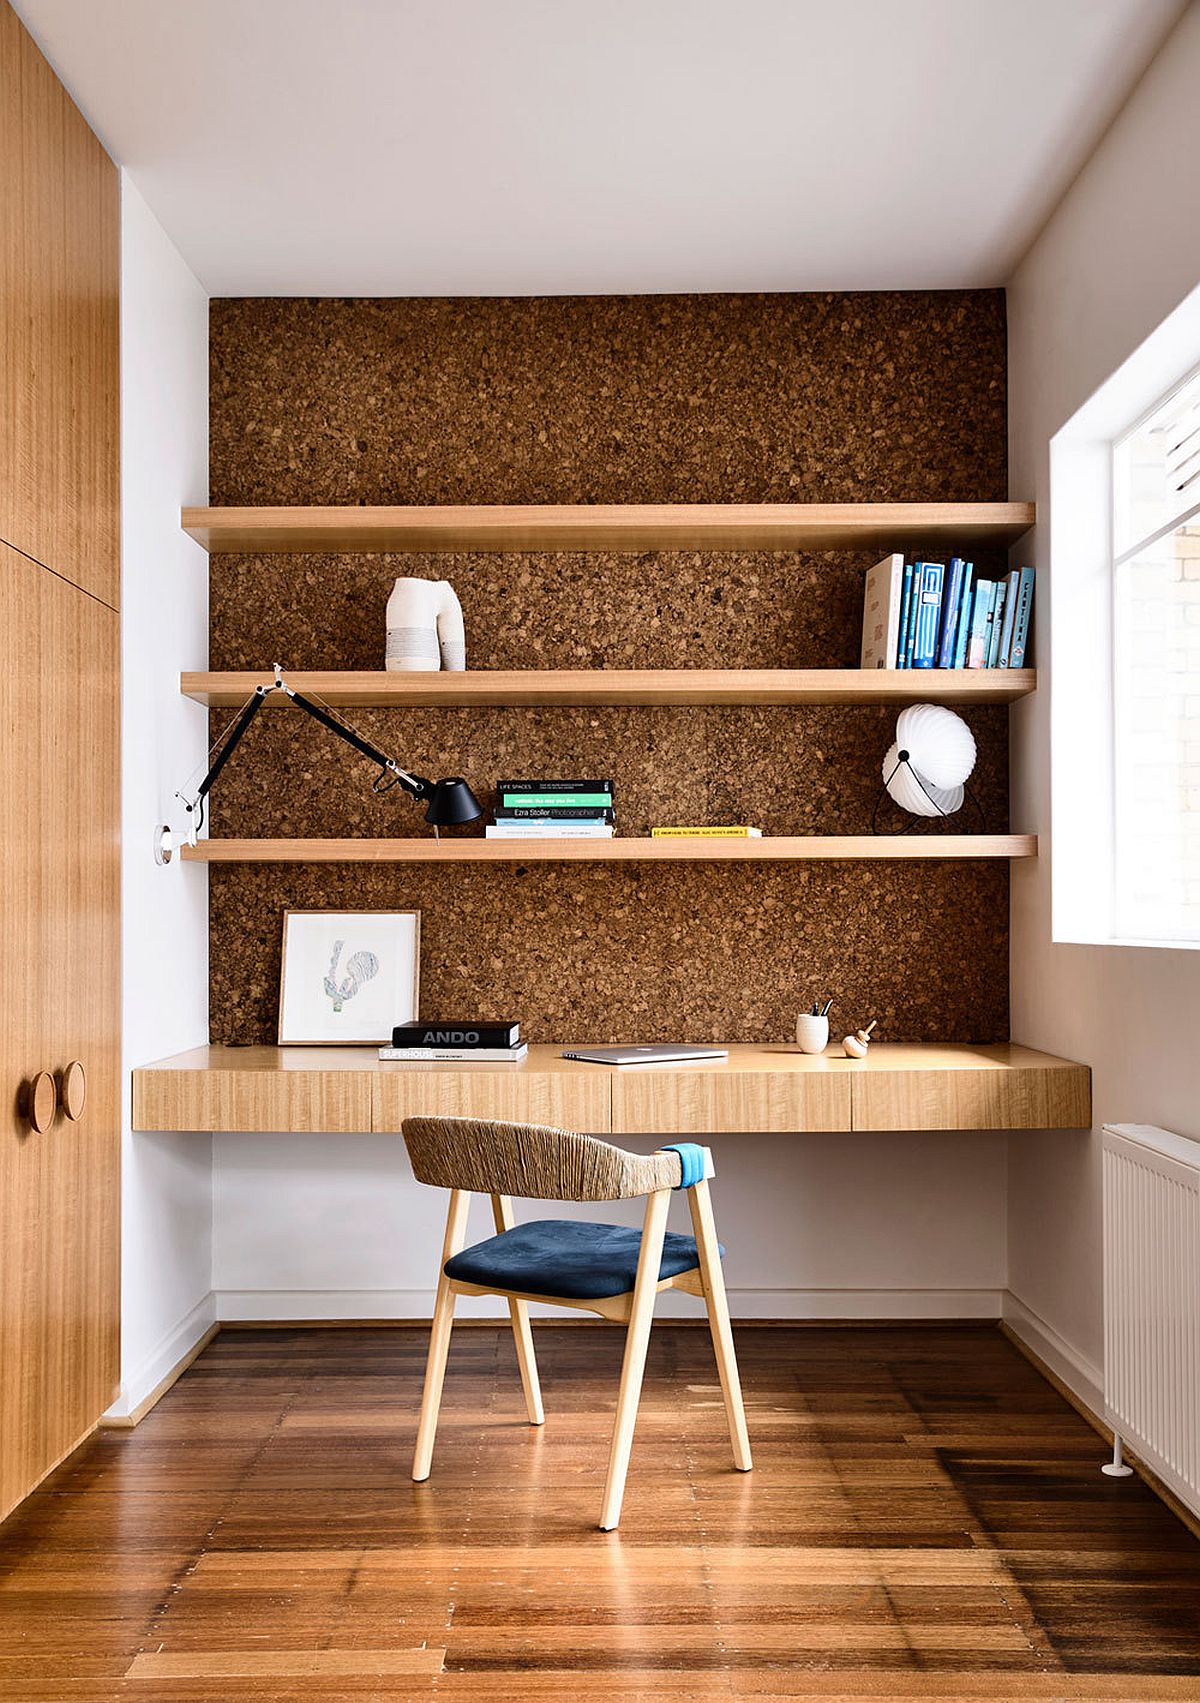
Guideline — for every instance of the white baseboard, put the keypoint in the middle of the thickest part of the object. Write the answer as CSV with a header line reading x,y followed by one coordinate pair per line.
x,y
244,1306
163,1364
1083,1377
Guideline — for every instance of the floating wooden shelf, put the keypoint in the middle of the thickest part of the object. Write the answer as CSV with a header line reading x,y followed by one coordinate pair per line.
x,y
627,527
630,686
776,848
769,1088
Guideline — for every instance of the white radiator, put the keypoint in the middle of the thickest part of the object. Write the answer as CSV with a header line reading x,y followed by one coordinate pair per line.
x,y
1152,1300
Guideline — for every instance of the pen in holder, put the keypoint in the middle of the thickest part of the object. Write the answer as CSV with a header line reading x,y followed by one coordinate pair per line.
x,y
812,1032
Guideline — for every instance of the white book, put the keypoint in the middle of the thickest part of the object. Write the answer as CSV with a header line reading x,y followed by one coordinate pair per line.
x,y
456,1055
883,588
549,831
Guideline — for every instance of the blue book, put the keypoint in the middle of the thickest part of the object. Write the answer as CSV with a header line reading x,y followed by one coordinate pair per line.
x,y
929,611
980,611
914,605
964,617
950,607
1020,636
995,626
905,605
1010,612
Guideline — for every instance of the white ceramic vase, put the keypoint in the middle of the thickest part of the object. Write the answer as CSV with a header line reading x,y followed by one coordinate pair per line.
x,y
425,628
812,1033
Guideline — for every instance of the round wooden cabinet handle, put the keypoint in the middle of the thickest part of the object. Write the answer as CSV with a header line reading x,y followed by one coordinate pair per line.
x,y
42,1101
72,1094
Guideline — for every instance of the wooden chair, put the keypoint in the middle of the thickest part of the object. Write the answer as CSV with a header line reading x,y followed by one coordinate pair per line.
x,y
602,1268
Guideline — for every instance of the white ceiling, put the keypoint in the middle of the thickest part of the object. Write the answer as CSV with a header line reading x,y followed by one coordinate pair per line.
x,y
532,147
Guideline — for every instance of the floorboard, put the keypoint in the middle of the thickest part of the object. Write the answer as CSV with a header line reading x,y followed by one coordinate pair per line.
x,y
926,1521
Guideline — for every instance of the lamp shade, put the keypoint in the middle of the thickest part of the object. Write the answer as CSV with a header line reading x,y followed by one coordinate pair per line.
x,y
452,801
926,769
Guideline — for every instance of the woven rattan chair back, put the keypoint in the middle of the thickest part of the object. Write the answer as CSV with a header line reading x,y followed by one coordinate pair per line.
x,y
531,1161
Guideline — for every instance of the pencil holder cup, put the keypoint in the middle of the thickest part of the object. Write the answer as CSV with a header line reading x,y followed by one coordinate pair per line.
x,y
812,1033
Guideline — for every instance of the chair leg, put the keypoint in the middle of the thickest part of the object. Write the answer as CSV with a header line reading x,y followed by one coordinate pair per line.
x,y
518,1312
704,1227
637,1338
439,1336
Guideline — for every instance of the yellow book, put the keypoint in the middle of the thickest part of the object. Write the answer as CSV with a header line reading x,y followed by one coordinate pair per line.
x,y
706,833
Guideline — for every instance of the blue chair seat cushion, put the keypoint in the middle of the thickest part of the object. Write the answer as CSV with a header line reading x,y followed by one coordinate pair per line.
x,y
558,1256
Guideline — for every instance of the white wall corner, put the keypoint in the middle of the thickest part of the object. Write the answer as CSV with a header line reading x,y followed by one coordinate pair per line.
x,y
1083,1377
138,1383
166,1180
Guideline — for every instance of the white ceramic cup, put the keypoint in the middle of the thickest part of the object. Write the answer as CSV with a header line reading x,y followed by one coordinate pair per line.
x,y
812,1033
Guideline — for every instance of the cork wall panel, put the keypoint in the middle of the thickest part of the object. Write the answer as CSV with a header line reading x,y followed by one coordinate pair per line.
x,y
805,398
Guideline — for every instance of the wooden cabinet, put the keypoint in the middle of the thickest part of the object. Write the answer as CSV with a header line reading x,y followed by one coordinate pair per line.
x,y
59,947
59,777
59,330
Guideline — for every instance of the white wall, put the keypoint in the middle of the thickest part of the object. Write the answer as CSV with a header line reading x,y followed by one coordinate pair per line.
x,y
1121,251
166,1179
817,1226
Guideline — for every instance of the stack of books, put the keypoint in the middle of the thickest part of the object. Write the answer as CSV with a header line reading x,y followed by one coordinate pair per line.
x,y
928,615
457,1043
553,810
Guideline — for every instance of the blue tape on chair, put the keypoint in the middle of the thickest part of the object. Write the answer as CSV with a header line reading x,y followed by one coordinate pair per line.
x,y
691,1158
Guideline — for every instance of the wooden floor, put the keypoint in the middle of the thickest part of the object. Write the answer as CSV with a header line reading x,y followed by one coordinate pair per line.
x,y
926,1519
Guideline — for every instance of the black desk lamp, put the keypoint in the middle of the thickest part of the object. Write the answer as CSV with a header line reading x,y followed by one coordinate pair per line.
x,y
449,801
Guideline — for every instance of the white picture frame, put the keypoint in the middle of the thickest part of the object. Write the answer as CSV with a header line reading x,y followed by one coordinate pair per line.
x,y
348,977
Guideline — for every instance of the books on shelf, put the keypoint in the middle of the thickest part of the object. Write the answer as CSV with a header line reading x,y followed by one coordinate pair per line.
x,y
554,813
718,833
488,1033
939,615
466,1042
553,810
567,830
1020,637
881,612
927,609
456,1055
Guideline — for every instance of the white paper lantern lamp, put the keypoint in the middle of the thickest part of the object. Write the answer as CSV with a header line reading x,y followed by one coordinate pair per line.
x,y
927,768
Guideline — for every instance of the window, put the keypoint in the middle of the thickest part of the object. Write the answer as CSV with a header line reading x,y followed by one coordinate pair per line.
x,y
1156,672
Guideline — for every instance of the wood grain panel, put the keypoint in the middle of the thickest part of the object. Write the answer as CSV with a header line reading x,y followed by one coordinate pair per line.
x,y
634,527
60,946
565,1099
972,1088
780,848
756,1088
335,1102
729,1098
489,688
59,282
925,1523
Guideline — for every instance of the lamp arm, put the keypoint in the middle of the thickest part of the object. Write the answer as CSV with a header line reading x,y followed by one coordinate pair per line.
x,y
237,734
193,803
417,785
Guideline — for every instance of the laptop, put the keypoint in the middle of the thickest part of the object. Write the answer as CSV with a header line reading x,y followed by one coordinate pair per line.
x,y
643,1055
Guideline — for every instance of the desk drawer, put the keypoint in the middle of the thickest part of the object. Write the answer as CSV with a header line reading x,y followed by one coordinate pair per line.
x,y
1015,1097
702,1101
510,1095
334,1102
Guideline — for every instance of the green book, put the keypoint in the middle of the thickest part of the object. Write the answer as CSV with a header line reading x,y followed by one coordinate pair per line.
x,y
554,800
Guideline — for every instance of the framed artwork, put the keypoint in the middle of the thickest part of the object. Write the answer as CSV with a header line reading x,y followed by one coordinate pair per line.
x,y
348,976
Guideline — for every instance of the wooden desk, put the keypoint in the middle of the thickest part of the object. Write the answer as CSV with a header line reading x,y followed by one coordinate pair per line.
x,y
772,1089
